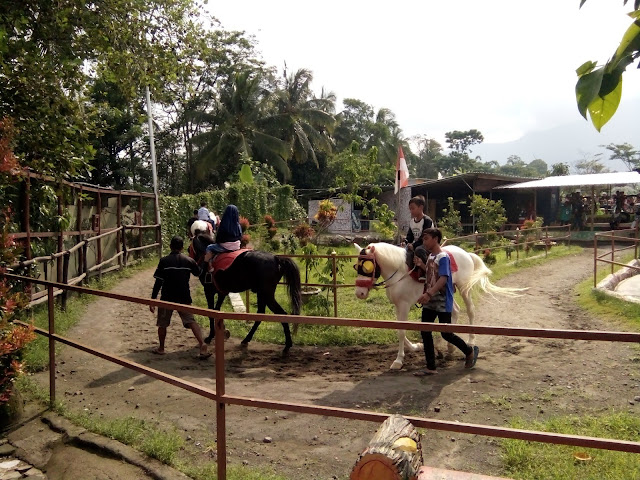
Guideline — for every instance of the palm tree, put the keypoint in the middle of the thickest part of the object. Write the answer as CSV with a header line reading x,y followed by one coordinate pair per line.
x,y
303,120
240,122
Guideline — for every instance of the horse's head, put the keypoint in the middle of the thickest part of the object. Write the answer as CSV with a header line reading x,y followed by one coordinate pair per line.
x,y
368,271
199,244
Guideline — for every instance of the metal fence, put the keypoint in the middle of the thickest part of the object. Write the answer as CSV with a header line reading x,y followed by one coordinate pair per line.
x,y
627,236
221,399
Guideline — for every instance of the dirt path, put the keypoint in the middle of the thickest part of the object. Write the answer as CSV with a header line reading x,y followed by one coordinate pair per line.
x,y
531,378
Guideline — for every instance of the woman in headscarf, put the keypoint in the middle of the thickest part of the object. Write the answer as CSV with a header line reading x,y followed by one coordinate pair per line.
x,y
228,235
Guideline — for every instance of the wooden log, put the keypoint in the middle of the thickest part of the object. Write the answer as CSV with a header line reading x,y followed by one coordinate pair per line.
x,y
394,453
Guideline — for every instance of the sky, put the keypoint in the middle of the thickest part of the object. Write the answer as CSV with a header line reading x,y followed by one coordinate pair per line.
x,y
504,67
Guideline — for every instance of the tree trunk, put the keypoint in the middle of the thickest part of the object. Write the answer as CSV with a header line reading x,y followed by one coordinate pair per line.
x,y
394,453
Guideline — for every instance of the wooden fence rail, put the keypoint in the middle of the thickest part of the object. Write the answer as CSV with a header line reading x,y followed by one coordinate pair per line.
x,y
222,398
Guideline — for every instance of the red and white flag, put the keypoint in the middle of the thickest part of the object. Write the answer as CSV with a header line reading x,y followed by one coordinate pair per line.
x,y
402,172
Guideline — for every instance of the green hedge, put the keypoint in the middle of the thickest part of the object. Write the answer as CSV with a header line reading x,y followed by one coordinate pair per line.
x,y
254,200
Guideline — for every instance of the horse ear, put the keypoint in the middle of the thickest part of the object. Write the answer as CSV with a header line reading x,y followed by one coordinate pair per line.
x,y
357,247
372,248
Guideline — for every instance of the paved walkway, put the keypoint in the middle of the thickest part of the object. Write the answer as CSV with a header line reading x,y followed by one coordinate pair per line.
x,y
630,288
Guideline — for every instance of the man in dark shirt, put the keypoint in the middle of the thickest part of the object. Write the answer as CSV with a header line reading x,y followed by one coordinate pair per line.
x,y
172,276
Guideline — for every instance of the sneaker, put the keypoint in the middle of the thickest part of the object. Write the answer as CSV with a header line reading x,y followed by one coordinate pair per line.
x,y
471,358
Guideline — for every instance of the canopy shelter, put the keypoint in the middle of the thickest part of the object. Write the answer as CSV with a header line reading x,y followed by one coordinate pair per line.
x,y
592,180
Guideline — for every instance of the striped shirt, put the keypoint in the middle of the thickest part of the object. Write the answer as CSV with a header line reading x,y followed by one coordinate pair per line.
x,y
172,275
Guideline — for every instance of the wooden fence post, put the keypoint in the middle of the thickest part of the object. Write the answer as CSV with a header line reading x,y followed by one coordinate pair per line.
x,y
335,284
141,223
119,224
99,241
60,238
81,251
65,278
85,266
124,246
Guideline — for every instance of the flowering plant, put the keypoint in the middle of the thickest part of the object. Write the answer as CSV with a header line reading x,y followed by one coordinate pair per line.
x,y
12,301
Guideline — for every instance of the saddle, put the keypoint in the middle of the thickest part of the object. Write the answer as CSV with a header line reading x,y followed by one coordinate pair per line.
x,y
220,263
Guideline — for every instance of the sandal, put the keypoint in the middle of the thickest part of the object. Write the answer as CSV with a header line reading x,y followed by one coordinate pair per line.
x,y
471,359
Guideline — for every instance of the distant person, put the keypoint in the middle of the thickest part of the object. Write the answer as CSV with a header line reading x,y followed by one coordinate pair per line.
x,y
172,277
564,213
229,233
203,212
437,301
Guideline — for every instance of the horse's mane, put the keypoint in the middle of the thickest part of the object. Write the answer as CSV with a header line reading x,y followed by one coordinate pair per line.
x,y
389,256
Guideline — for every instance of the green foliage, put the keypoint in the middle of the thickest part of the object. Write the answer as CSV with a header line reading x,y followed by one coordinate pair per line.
x,y
451,222
253,200
599,89
358,177
490,214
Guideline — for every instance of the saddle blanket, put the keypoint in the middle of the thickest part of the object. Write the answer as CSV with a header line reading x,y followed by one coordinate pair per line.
x,y
222,261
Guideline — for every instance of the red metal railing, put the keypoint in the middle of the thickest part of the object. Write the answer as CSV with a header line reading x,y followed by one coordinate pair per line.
x,y
222,399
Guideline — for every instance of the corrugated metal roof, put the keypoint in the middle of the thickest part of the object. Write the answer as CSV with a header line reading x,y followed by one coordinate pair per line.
x,y
466,176
613,178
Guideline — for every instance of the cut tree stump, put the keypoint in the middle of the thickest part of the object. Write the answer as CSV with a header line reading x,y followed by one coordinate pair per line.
x,y
394,453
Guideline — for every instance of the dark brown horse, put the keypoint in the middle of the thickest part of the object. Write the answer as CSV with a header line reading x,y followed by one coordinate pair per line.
x,y
254,270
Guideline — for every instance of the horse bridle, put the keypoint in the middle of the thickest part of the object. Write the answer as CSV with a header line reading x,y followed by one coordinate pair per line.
x,y
367,267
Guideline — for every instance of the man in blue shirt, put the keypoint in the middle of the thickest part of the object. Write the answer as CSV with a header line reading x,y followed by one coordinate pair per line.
x,y
437,300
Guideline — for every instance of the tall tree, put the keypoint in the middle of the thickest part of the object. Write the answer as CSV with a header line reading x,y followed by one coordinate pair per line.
x,y
429,151
238,126
625,153
304,120
50,49
590,164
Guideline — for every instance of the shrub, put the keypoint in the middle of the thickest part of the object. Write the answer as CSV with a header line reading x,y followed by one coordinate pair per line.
x,y
303,232
244,223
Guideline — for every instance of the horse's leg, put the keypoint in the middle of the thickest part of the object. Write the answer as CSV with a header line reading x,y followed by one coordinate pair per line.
x,y
261,309
471,313
210,294
278,310
402,315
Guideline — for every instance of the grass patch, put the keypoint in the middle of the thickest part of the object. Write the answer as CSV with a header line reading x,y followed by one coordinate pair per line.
x,y
607,306
500,402
147,437
375,307
533,460
36,353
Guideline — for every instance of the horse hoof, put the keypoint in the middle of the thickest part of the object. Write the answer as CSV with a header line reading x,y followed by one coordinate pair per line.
x,y
396,365
439,355
208,340
285,352
227,334
244,345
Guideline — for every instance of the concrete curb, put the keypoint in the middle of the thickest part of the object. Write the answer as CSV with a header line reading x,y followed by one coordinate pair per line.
x,y
84,439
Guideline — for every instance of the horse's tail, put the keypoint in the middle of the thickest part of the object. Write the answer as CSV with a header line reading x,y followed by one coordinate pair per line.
x,y
480,276
291,275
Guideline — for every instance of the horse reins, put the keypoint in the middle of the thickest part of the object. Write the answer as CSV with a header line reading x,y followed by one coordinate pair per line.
x,y
367,266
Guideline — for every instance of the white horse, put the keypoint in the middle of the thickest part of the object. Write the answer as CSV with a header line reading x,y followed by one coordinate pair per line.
x,y
389,262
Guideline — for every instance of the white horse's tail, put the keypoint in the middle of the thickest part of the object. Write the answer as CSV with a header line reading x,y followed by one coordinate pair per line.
x,y
480,276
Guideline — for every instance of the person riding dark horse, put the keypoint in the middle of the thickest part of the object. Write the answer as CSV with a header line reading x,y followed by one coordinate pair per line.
x,y
252,270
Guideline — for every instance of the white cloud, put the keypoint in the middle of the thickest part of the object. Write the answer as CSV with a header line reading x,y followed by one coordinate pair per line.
x,y
504,67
